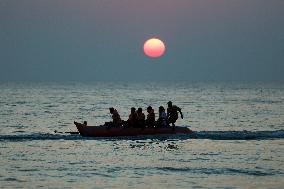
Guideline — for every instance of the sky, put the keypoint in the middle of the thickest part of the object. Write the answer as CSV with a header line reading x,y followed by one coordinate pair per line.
x,y
102,40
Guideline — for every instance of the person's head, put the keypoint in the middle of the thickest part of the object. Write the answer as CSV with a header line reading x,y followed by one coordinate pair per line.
x,y
139,110
170,104
111,110
133,110
161,109
149,109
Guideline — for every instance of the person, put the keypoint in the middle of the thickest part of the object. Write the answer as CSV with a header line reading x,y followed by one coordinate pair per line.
x,y
140,118
116,120
150,121
172,113
162,120
132,118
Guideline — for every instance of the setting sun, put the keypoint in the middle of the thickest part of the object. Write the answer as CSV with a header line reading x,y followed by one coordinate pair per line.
x,y
154,48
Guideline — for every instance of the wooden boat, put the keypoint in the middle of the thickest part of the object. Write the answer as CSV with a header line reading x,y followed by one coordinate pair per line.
x,y
105,131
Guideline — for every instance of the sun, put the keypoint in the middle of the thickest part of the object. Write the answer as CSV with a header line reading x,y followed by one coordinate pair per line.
x,y
154,47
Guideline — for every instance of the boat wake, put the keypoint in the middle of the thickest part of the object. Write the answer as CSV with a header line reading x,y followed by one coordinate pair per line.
x,y
240,135
211,135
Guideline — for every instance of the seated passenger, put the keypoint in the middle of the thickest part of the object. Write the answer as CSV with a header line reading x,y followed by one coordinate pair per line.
x,y
132,119
140,118
116,120
150,121
162,120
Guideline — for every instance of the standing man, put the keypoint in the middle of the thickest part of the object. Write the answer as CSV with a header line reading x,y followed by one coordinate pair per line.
x,y
172,113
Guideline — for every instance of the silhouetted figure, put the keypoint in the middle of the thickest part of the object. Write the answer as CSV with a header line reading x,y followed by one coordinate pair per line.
x,y
116,120
162,120
172,113
132,118
140,118
150,121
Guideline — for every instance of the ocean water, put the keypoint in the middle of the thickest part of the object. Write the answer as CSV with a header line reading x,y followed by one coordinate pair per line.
x,y
237,141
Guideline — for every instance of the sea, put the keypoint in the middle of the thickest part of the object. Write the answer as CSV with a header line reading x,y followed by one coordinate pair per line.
x,y
237,140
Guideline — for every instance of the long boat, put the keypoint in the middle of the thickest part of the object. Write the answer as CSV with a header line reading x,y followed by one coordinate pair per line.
x,y
105,131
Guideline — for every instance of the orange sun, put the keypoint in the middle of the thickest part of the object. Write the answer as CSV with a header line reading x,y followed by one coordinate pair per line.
x,y
154,47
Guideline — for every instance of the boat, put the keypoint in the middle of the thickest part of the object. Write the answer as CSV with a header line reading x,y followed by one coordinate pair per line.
x,y
105,131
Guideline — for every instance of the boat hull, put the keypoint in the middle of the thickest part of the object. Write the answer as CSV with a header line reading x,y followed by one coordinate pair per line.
x,y
104,131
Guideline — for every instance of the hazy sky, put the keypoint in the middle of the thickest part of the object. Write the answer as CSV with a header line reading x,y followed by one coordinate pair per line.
x,y
103,40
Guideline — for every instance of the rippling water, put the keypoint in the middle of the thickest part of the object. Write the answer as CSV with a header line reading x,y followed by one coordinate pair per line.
x,y
237,140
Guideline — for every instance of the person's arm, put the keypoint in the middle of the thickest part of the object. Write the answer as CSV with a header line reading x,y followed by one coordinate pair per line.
x,y
168,115
181,115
